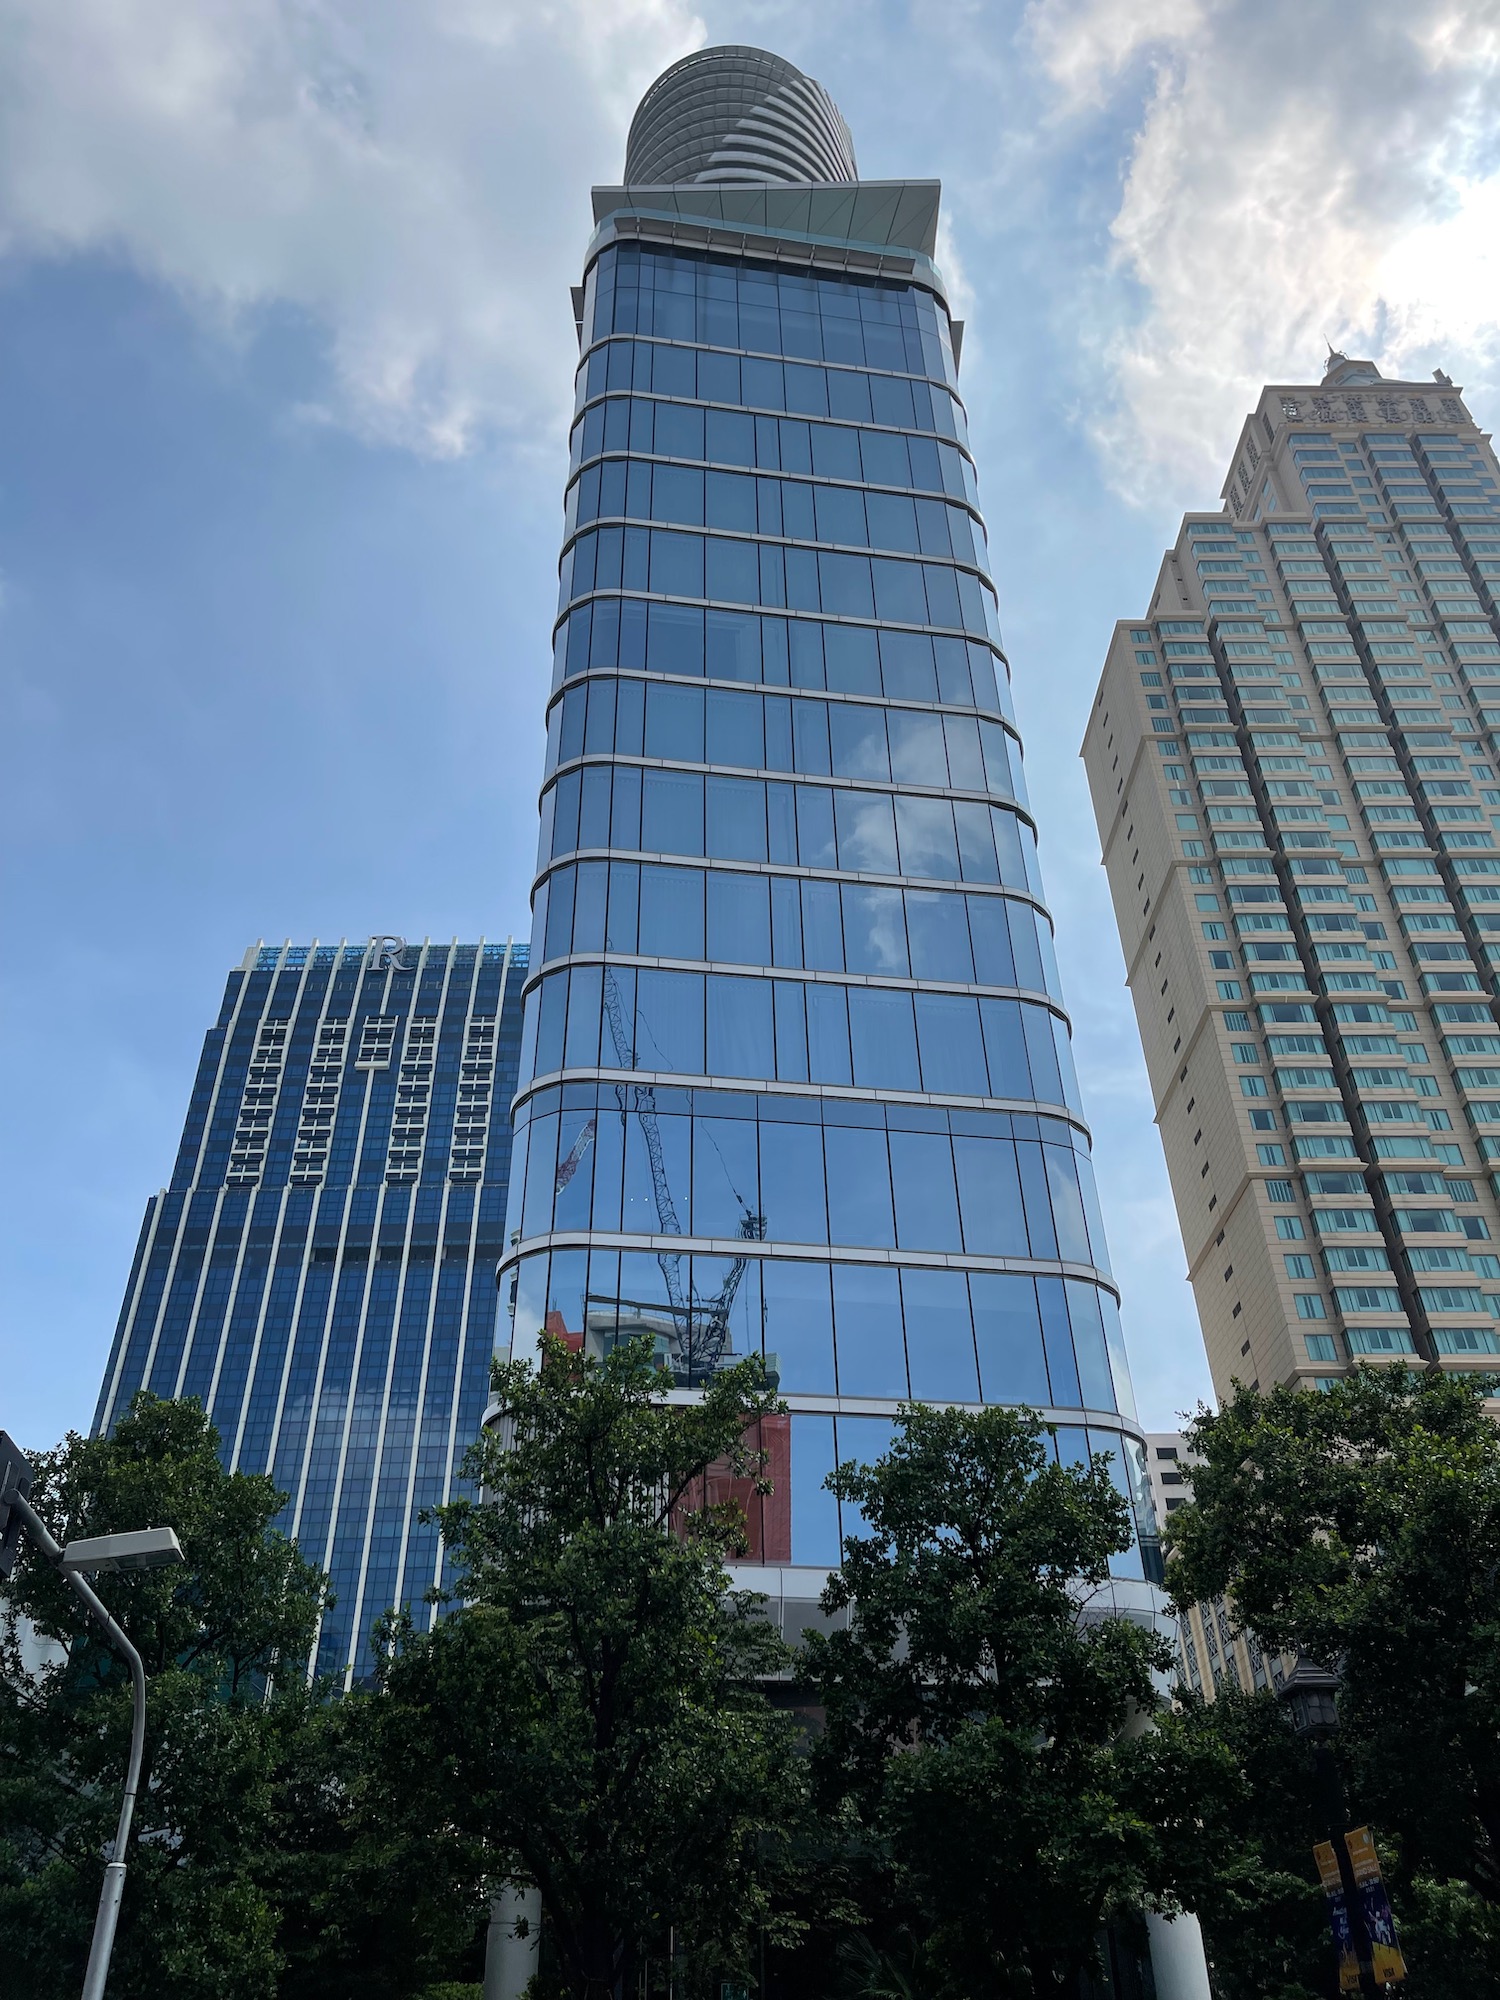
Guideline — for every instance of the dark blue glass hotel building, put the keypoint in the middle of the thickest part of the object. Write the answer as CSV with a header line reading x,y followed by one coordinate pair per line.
x,y
796,1075
321,1271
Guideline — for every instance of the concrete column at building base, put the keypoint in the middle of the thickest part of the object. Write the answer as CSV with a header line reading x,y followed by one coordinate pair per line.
x,y
1177,1961
510,1957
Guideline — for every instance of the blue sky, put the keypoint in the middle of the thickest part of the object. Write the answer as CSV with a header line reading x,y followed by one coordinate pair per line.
x,y
285,366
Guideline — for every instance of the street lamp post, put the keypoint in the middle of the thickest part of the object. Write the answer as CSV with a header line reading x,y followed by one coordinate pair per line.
x,y
143,1548
1310,1694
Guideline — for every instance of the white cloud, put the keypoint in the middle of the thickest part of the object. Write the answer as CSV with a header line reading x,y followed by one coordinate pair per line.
x,y
1301,169
411,178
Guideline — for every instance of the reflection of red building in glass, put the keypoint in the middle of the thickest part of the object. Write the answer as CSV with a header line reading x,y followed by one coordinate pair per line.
x,y
557,1327
768,1516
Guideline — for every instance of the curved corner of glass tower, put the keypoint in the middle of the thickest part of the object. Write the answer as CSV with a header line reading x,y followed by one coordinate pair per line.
x,y
737,115
796,1070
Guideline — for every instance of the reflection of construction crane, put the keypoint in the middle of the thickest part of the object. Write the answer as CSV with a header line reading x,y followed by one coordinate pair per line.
x,y
701,1327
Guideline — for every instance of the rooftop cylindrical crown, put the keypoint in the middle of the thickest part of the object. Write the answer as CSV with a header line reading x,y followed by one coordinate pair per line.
x,y
737,115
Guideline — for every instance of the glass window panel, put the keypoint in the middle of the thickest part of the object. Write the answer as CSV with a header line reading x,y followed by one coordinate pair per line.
x,y
926,1199
786,922
619,1019
815,1511
856,735
976,842
951,1045
965,762
559,931
883,1039
791,1181
726,1180
993,963
848,392
740,1041
781,823
853,659
574,1182
1088,1345
822,931
669,1022
917,753
1008,1335
730,501
679,430
875,931
581,1050
1005,1048
647,1208
859,1188
677,495
791,1031
844,586
898,591
732,574
732,646
541,1174
739,919
835,452
778,726
676,563
674,723
674,633
805,652
1067,1204
1038,1201
797,515
840,515
735,734
531,1305
1119,1366
1023,929
893,522
737,819
937,926
906,666
989,1195
810,737
939,1336
866,832
1041,1053
928,847
1058,1341
885,459
867,1315
566,1285
827,1034
673,813
815,848
799,1325
624,905
671,921
593,809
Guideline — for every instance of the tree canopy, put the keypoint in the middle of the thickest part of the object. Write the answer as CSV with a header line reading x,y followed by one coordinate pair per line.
x,y
1361,1527
591,1717
986,1718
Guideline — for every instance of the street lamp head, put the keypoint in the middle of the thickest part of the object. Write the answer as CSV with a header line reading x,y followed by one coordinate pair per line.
x,y
142,1548
1310,1693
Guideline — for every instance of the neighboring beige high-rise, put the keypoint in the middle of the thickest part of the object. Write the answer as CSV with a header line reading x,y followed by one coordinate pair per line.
x,y
1293,762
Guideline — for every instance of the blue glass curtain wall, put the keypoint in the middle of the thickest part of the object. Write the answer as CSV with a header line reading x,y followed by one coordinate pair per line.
x,y
796,1077
322,1274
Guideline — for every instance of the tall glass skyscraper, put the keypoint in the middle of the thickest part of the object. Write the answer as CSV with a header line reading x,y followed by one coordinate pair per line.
x,y
321,1271
796,1077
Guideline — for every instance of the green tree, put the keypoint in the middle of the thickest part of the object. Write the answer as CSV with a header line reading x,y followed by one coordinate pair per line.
x,y
985,1727
256,1866
194,1919
1361,1527
590,1718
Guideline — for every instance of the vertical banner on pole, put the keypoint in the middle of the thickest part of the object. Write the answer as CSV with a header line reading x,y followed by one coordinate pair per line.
x,y
1375,1907
1339,1920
